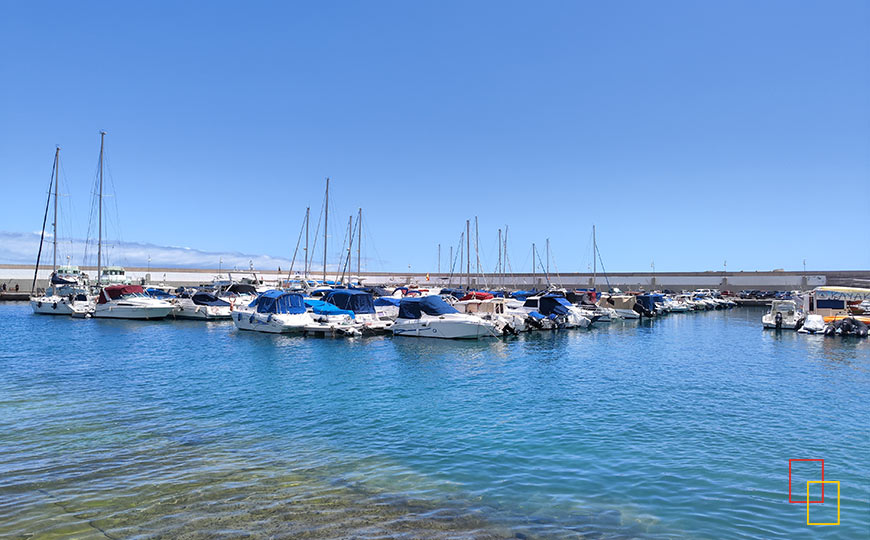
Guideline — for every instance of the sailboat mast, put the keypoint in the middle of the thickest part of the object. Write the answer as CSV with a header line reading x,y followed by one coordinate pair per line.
x,y
349,247
56,180
325,225
305,272
468,254
359,246
498,266
100,219
439,258
477,245
534,271
548,259
594,258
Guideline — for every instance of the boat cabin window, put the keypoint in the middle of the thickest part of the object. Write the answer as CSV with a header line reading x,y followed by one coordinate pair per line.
x,y
531,303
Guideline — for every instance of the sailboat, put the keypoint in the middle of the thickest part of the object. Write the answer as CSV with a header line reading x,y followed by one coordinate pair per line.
x,y
118,301
67,293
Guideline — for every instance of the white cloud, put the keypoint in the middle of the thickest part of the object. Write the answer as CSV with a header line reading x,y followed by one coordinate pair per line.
x,y
21,248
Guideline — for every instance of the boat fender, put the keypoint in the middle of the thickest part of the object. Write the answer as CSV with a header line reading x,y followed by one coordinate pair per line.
x,y
251,320
54,305
778,320
39,304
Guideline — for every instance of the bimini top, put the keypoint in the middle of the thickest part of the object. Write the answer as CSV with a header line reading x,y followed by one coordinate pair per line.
x,y
387,301
352,299
242,288
208,299
113,292
323,308
553,305
279,302
414,308
477,295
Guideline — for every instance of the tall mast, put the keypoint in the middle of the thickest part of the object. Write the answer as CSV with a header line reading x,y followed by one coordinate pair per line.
x,y
359,246
477,245
450,281
349,247
594,258
56,180
498,266
100,220
325,225
305,271
504,264
548,259
534,271
468,253
439,258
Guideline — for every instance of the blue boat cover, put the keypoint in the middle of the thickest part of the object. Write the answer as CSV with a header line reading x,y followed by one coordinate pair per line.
x,y
649,301
522,295
413,308
387,301
275,301
324,308
208,299
355,300
157,293
458,293
553,305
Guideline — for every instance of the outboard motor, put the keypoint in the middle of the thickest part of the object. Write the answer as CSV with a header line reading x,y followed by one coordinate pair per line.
x,y
778,319
799,324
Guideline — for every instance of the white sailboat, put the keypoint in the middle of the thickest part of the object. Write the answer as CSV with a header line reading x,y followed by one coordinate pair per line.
x,y
67,293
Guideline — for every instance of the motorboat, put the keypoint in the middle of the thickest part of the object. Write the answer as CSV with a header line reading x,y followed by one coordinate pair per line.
x,y
239,295
432,317
200,305
361,305
813,324
387,308
556,309
274,312
783,315
129,302
623,304
512,318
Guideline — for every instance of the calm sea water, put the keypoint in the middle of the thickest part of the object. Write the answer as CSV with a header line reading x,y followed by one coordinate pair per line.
x,y
680,427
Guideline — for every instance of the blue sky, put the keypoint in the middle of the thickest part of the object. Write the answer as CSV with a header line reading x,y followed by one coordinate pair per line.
x,y
690,133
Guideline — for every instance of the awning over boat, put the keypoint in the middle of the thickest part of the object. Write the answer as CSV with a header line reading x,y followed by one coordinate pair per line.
x,y
477,295
414,308
113,292
325,308
355,300
279,302
208,299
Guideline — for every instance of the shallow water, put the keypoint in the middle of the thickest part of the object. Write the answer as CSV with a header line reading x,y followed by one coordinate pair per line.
x,y
680,427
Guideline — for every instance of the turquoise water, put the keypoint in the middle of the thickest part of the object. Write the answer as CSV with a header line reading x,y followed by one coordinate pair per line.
x,y
680,427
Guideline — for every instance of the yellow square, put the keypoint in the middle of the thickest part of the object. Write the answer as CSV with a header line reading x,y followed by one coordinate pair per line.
x,y
838,500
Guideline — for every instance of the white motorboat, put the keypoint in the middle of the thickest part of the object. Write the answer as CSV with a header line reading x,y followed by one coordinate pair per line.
x,y
274,312
783,314
129,302
432,317
238,295
203,306
623,304
500,310
361,305
558,310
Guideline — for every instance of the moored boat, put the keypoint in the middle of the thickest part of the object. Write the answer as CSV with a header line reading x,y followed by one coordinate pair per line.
x,y
129,302
432,317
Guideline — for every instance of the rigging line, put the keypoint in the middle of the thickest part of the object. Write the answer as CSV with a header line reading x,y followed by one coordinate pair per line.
x,y
44,220
455,256
370,241
603,271
295,251
316,235
558,277
541,264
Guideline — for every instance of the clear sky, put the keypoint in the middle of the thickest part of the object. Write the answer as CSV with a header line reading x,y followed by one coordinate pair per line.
x,y
689,132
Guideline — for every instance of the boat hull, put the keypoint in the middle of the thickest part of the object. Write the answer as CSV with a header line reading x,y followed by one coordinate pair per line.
x,y
444,329
145,313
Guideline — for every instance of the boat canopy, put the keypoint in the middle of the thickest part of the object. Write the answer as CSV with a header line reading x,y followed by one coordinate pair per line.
x,y
387,301
275,301
325,308
649,301
458,293
58,280
414,308
208,299
158,293
477,295
552,304
355,300
242,288
113,292
522,295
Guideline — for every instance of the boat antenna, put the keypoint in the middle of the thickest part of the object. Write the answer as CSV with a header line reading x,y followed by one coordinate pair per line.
x,y
45,220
